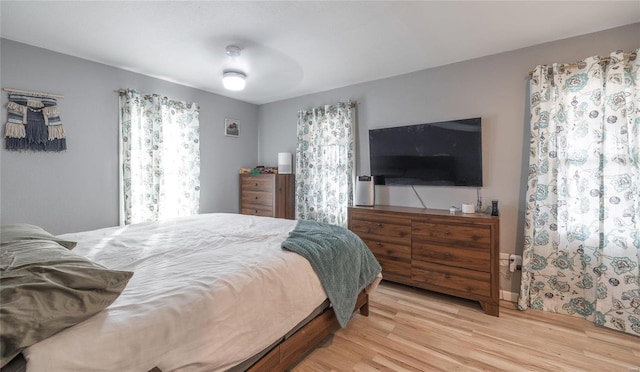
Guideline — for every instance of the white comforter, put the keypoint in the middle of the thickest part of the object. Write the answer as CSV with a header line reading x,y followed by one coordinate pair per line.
x,y
208,292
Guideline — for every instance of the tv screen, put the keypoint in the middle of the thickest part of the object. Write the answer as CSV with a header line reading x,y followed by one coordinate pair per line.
x,y
447,153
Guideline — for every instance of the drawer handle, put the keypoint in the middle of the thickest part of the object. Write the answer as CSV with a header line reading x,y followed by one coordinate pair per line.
x,y
446,232
256,198
379,225
256,184
378,244
447,255
447,276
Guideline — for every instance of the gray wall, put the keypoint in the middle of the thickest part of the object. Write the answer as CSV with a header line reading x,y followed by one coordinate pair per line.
x,y
494,88
77,189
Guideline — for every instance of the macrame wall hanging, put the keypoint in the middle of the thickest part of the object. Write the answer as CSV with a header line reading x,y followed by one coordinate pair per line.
x,y
33,122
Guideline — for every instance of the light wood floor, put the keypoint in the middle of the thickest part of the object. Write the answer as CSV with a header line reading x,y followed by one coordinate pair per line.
x,y
414,330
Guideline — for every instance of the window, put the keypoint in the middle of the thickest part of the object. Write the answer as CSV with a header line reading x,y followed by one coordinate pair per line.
x,y
159,158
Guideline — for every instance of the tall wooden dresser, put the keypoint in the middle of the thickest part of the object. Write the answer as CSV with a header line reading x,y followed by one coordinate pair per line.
x,y
270,195
456,254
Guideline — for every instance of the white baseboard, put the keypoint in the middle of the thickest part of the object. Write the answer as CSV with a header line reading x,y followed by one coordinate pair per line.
x,y
508,296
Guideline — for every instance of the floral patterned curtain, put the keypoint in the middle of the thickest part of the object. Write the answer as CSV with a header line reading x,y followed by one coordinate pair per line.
x,y
160,158
325,163
582,225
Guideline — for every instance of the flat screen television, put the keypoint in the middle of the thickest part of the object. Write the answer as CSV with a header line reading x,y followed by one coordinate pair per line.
x,y
447,153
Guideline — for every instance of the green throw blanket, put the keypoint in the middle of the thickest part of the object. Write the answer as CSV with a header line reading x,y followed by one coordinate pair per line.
x,y
343,262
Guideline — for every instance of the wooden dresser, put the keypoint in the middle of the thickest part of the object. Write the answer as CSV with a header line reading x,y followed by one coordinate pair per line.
x,y
271,195
456,254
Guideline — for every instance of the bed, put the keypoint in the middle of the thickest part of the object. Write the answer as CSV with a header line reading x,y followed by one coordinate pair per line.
x,y
211,292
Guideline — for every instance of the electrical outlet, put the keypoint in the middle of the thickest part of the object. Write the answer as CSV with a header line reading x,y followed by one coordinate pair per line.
x,y
515,262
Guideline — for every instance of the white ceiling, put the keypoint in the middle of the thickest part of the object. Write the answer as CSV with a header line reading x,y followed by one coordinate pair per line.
x,y
298,47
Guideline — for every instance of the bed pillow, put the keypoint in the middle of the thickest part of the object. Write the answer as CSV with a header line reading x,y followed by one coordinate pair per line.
x,y
45,288
25,231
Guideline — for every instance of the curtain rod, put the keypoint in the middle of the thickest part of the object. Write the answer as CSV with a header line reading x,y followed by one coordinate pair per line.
x,y
124,91
352,104
604,60
31,93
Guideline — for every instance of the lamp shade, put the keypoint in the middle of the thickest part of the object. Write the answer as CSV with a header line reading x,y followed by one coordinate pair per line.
x,y
233,80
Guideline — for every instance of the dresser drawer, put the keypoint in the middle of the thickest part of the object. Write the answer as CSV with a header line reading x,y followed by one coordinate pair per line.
x,y
257,211
466,257
381,231
257,198
393,269
257,183
379,218
456,280
479,236
391,250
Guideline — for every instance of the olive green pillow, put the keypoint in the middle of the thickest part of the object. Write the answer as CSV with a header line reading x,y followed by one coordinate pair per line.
x,y
45,288
25,231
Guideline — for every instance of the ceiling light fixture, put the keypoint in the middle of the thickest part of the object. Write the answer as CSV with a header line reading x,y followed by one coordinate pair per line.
x,y
233,80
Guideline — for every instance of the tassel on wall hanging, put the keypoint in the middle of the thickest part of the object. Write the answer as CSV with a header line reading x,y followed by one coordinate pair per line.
x,y
33,122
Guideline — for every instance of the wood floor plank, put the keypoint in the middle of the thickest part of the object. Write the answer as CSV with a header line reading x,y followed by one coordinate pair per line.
x,y
411,330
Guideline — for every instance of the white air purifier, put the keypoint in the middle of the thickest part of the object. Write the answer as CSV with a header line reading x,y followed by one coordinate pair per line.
x,y
285,163
365,191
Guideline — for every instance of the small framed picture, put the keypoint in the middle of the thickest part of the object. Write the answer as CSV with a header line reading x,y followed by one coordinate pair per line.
x,y
231,128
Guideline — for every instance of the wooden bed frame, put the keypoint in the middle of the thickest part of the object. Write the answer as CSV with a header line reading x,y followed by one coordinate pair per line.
x,y
291,350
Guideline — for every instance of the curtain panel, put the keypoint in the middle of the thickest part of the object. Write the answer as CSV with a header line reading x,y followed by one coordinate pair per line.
x,y
582,222
159,158
325,163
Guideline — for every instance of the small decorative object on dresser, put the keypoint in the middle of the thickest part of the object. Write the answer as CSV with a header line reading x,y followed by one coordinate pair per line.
x,y
270,195
494,208
456,254
468,208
